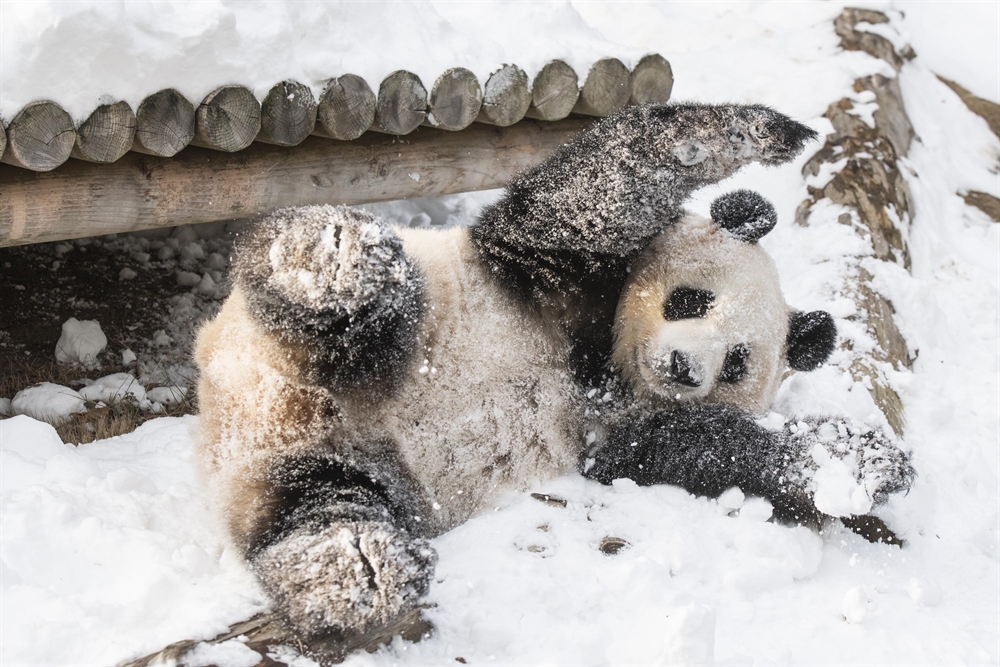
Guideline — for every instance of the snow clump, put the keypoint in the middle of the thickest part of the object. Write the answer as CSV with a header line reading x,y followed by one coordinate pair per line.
x,y
80,342
48,402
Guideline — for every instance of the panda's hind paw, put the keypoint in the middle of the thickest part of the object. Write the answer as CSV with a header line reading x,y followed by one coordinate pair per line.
x,y
323,258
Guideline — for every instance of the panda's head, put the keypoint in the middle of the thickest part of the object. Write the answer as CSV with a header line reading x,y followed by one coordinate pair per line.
x,y
702,317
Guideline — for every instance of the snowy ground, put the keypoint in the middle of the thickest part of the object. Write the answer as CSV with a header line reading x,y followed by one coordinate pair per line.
x,y
109,551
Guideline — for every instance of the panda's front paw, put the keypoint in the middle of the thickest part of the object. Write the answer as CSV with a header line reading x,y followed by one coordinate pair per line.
x,y
347,583
849,469
323,259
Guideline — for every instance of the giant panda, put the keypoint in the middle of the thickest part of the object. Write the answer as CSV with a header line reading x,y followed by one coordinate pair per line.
x,y
365,388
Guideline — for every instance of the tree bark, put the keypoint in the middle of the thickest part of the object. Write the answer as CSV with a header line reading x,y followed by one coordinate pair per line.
x,y
554,92
227,120
106,135
506,98
606,89
287,114
40,137
651,80
401,105
455,100
346,108
164,124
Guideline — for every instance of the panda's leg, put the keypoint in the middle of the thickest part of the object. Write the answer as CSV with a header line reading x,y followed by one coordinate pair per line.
x,y
708,449
334,283
336,549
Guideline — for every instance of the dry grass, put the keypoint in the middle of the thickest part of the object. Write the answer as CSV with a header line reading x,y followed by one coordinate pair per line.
x,y
118,418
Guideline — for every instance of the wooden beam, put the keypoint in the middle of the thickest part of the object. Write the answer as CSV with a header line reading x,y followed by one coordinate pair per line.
x,y
506,98
402,103
164,124
346,108
227,120
651,80
606,89
455,100
40,137
106,135
198,185
554,92
287,114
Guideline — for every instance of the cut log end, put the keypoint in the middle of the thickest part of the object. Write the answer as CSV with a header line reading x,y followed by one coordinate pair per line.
x,y
651,80
346,108
164,124
3,137
106,135
455,100
554,92
606,89
228,120
402,103
40,137
287,114
506,97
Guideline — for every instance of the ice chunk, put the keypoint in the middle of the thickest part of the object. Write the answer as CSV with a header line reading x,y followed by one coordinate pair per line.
x,y
80,342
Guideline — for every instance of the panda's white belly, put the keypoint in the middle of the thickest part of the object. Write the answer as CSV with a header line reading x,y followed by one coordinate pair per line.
x,y
489,405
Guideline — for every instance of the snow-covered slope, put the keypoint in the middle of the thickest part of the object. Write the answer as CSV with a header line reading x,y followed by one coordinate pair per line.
x,y
108,551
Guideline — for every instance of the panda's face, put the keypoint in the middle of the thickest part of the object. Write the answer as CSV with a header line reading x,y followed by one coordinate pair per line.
x,y
703,318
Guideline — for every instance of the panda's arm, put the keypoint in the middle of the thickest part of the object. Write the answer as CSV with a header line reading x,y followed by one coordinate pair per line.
x,y
335,285
708,449
579,218
336,550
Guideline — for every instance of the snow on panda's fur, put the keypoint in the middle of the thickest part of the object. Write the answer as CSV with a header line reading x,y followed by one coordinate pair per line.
x,y
365,388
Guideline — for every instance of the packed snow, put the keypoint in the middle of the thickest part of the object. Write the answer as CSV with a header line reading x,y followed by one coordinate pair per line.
x,y
109,550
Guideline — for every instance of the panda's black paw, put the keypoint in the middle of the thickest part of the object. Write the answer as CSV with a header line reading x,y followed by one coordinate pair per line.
x,y
745,214
347,585
322,259
849,469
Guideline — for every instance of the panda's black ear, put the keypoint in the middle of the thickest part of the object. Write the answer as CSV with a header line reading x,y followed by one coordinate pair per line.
x,y
811,339
745,214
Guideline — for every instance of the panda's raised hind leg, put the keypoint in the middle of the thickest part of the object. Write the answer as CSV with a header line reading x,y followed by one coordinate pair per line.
x,y
336,548
335,282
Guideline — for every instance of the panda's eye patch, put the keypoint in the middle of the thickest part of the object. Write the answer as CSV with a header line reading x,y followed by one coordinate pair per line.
x,y
734,368
687,302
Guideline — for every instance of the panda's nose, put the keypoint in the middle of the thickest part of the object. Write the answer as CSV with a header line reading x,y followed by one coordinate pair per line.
x,y
682,371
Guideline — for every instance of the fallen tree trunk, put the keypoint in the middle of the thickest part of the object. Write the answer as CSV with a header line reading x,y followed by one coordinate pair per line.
x,y
871,187
143,192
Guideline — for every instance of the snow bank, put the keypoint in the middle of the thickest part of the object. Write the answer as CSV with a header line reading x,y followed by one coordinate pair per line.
x,y
108,550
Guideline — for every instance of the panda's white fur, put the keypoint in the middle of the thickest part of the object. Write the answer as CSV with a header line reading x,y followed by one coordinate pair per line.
x,y
748,309
486,405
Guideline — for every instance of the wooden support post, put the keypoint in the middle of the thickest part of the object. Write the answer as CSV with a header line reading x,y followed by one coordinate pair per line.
x,y
606,88
651,80
506,98
401,105
199,185
287,114
554,92
3,137
164,124
346,108
455,100
106,135
227,120
40,137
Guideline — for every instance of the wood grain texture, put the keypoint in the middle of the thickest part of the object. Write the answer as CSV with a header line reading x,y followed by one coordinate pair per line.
x,y
287,114
651,80
227,120
606,88
401,105
554,92
40,137
200,185
106,135
164,124
455,100
346,108
506,97
3,137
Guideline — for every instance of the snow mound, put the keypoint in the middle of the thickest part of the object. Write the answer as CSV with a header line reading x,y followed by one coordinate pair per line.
x,y
115,387
48,402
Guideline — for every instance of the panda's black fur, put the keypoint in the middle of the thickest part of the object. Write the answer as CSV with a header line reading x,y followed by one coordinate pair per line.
x,y
336,446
